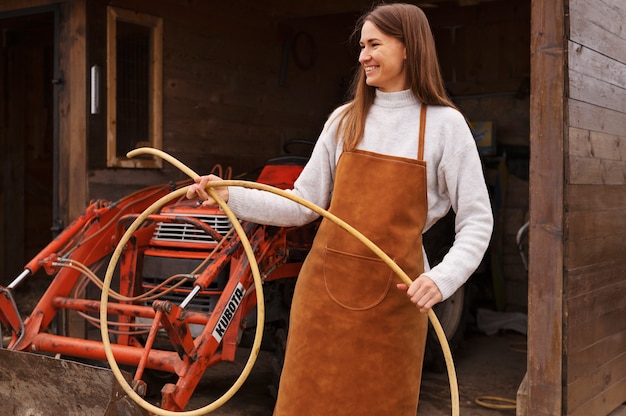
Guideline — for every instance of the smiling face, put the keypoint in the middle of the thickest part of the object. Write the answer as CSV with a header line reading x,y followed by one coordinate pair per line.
x,y
382,57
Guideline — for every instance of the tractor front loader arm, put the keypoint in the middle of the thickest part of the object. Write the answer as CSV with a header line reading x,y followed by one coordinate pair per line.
x,y
88,239
59,244
9,313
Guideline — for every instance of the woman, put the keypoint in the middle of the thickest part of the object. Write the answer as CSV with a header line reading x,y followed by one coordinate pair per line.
x,y
391,162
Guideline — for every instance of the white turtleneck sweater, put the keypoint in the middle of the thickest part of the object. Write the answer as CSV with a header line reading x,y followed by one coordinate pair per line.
x,y
454,175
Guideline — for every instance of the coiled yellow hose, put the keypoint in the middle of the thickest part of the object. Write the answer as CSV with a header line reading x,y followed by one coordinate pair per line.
x,y
496,402
257,283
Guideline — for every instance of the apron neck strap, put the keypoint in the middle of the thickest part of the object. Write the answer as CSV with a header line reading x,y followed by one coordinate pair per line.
x,y
420,148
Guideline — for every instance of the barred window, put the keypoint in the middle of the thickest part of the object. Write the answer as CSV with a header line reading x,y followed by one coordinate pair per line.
x,y
134,87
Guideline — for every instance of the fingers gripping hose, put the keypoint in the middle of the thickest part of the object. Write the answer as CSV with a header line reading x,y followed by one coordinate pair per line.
x,y
257,282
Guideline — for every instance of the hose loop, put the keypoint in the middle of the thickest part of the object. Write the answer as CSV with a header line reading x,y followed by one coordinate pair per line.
x,y
496,402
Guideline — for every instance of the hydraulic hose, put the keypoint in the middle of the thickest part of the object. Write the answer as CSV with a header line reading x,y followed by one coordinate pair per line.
x,y
257,282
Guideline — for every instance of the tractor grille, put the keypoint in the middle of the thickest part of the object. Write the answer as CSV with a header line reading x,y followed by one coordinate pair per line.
x,y
182,232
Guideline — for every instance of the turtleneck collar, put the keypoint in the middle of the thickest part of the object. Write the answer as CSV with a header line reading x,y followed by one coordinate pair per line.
x,y
395,99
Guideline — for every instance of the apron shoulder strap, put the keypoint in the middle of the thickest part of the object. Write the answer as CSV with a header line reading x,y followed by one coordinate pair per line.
x,y
420,146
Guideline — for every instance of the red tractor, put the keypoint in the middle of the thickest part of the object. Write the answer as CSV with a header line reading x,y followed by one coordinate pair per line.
x,y
183,300
183,266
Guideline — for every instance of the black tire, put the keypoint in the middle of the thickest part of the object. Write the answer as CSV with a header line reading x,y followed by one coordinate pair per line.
x,y
452,315
286,289
278,359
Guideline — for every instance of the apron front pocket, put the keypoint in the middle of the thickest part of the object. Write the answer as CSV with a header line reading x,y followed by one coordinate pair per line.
x,y
356,282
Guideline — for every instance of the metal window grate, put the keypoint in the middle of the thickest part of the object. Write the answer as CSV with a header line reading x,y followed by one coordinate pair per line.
x,y
182,232
133,86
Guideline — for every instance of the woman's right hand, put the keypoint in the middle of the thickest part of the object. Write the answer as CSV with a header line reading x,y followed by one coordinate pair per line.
x,y
199,190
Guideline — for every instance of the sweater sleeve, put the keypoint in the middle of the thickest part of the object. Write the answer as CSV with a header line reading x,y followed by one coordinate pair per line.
x,y
461,177
313,184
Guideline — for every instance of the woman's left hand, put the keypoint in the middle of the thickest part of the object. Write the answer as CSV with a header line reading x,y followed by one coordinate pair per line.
x,y
423,292
198,190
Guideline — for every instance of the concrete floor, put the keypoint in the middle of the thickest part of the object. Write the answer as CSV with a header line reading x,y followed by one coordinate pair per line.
x,y
485,366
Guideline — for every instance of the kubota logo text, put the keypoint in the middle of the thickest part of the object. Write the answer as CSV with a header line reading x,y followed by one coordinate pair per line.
x,y
229,312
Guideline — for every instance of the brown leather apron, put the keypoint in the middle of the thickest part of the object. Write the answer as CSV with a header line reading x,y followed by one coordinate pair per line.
x,y
356,343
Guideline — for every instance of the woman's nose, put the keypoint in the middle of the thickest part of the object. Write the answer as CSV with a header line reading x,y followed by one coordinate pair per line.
x,y
364,55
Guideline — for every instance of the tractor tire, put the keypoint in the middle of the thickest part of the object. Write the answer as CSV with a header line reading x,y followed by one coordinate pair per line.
x,y
278,360
452,315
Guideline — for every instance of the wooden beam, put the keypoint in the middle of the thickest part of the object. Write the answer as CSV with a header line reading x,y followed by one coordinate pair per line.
x,y
73,113
547,123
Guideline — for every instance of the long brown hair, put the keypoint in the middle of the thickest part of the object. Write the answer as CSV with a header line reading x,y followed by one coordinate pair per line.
x,y
408,24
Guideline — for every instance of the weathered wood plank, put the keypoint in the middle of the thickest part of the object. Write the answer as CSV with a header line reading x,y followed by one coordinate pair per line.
x,y
596,65
583,361
584,226
586,308
594,24
72,111
586,197
597,171
595,250
593,118
604,403
597,92
586,328
583,336
591,277
547,115
586,144
599,393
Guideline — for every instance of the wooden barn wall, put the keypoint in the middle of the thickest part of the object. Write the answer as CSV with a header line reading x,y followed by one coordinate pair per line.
x,y
234,93
595,262
235,86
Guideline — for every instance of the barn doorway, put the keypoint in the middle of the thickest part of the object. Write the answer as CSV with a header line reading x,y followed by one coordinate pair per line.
x,y
27,137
